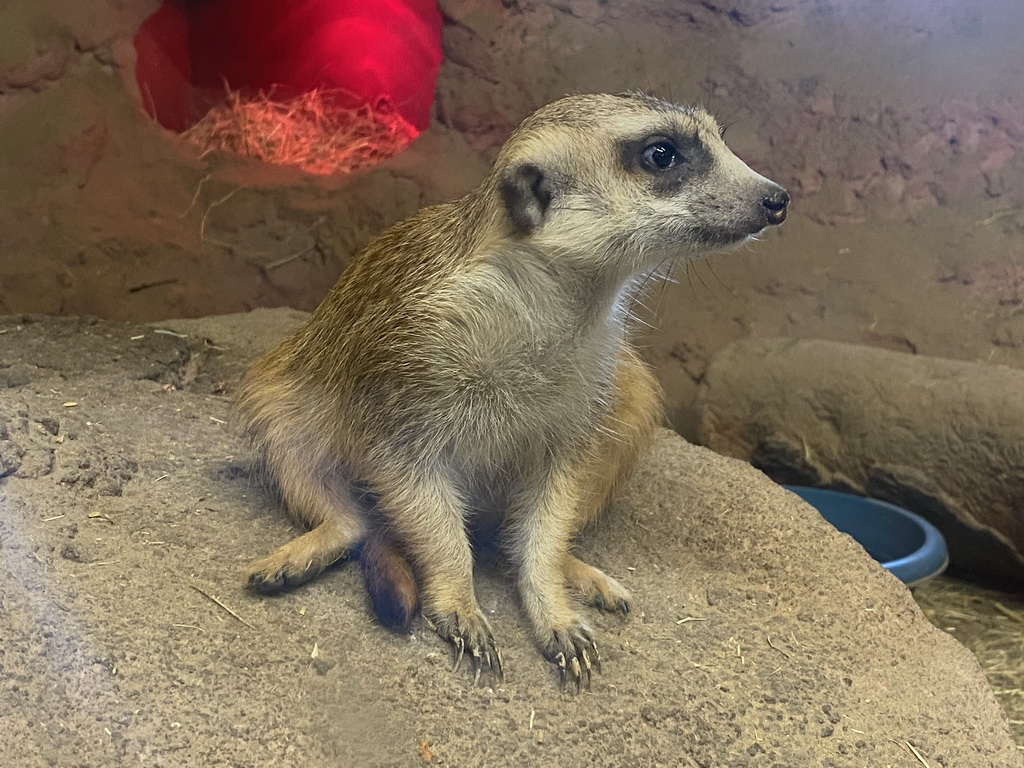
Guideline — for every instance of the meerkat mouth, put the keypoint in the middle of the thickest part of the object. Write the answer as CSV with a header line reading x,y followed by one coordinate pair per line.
x,y
728,238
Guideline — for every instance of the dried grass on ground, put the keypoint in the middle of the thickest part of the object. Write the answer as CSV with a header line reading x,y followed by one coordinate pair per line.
x,y
991,625
310,131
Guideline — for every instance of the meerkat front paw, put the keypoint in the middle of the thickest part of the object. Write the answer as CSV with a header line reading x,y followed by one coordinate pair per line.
x,y
470,635
574,651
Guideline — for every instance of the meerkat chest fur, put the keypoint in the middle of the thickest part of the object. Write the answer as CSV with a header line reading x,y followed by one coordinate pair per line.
x,y
506,358
532,342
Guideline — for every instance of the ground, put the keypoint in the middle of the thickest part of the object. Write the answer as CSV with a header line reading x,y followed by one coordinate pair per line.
x,y
989,623
761,636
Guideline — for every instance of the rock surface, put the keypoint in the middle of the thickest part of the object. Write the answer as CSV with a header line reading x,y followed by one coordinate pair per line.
x,y
761,637
943,438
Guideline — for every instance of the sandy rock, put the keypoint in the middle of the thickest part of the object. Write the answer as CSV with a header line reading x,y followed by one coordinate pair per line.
x,y
761,636
940,437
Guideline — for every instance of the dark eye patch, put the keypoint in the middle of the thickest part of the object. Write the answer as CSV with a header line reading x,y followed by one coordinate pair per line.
x,y
669,160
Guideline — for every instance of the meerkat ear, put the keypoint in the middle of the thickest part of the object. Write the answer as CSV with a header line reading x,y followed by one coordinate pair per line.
x,y
527,191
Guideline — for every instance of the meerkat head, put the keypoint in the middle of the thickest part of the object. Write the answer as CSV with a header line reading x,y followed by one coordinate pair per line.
x,y
630,176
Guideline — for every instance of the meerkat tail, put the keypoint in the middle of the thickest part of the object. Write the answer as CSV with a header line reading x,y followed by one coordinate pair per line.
x,y
389,580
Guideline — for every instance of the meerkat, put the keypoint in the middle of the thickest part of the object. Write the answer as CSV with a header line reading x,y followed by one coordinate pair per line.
x,y
473,367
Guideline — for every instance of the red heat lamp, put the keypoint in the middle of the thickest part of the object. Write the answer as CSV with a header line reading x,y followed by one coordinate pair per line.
x,y
326,85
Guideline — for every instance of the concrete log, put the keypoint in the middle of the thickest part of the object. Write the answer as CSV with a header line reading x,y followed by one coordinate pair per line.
x,y
943,438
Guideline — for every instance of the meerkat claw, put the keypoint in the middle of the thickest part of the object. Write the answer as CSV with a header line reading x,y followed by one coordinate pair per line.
x,y
478,664
473,639
460,650
562,669
499,665
575,654
266,583
489,659
275,582
577,672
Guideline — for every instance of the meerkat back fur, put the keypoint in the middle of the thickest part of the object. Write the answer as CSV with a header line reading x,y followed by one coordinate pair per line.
x,y
473,367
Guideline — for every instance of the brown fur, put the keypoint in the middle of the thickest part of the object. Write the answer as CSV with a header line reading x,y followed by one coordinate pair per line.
x,y
472,367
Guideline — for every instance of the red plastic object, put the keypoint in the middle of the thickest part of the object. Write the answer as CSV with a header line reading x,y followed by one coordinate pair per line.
x,y
370,49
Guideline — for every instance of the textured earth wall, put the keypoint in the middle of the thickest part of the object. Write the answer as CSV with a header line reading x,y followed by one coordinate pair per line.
x,y
897,127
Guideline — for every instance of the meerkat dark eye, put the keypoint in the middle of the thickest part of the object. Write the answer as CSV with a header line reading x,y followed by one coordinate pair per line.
x,y
661,156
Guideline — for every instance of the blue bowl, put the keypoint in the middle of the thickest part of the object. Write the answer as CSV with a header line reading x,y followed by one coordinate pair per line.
x,y
910,547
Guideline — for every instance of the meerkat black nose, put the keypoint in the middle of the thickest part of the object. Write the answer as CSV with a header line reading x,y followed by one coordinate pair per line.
x,y
776,205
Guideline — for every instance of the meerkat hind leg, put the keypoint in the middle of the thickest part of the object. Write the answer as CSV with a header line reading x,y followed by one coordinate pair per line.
x,y
324,502
594,587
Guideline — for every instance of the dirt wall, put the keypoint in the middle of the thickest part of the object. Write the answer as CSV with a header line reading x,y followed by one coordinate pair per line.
x,y
897,127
